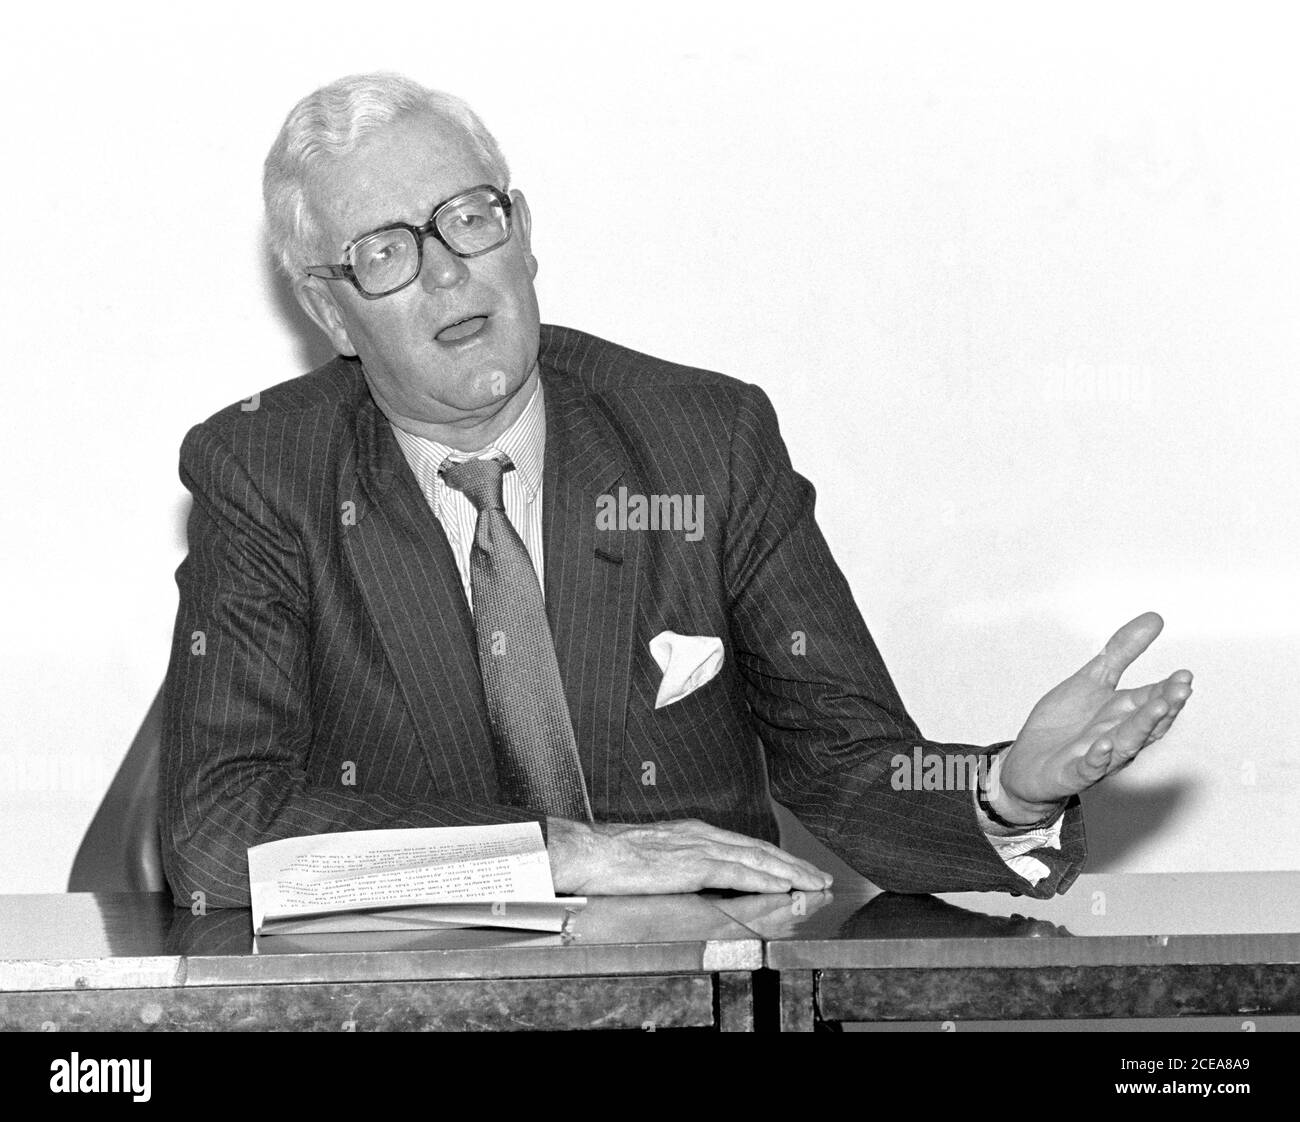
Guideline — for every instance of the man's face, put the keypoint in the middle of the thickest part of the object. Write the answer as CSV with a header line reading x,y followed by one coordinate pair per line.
x,y
424,365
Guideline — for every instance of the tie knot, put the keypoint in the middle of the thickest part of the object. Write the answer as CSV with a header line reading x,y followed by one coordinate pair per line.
x,y
479,480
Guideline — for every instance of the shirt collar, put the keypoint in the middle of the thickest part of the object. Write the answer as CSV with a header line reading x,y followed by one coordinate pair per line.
x,y
524,442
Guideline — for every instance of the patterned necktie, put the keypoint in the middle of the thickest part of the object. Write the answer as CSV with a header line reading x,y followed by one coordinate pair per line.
x,y
536,754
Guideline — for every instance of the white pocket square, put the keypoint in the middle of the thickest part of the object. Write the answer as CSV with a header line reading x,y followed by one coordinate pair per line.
x,y
687,662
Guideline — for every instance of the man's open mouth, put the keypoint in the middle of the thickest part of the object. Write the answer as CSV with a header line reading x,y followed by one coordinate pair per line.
x,y
461,329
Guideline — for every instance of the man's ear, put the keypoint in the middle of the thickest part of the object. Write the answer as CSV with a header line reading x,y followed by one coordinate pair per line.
x,y
318,302
523,227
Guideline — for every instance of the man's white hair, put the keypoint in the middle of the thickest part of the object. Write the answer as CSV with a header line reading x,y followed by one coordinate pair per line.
x,y
331,122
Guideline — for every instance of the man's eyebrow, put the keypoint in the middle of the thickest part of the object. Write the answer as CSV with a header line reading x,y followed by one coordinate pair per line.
x,y
385,225
389,222
428,213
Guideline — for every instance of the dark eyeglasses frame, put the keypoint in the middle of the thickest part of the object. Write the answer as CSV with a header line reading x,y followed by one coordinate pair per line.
x,y
429,229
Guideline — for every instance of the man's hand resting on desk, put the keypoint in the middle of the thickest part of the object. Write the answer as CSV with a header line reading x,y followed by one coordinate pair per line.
x,y
1086,728
612,859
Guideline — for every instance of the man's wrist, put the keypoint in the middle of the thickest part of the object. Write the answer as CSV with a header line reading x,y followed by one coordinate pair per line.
x,y
568,847
1009,811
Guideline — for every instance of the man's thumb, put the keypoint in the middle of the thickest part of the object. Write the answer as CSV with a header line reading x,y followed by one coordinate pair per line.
x,y
1125,646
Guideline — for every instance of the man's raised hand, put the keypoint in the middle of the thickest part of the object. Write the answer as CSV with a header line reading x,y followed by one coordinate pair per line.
x,y
1087,727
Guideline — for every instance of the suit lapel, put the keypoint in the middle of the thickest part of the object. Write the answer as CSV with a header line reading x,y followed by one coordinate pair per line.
x,y
591,579
407,574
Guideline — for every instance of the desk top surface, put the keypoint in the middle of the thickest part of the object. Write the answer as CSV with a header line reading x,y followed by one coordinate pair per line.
x,y
84,941
93,941
1120,918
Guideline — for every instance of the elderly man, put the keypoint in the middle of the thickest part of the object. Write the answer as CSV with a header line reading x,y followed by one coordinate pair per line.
x,y
444,580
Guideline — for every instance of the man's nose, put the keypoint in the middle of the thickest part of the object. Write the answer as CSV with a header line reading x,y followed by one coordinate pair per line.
x,y
442,268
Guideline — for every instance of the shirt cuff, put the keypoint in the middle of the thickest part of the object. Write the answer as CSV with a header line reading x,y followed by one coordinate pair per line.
x,y
1014,848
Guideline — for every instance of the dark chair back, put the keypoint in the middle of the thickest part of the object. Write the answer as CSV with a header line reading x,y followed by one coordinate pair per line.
x,y
121,851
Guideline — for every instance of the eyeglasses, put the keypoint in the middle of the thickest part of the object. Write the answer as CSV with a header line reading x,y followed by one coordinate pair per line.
x,y
379,263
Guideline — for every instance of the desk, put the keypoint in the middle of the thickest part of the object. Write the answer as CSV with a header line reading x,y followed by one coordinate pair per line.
x,y
1145,945
121,962
1121,945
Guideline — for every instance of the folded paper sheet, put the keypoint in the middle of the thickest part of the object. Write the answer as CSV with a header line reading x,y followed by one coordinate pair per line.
x,y
387,880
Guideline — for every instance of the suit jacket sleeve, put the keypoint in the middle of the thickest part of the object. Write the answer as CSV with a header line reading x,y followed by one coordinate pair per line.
x,y
238,707
826,709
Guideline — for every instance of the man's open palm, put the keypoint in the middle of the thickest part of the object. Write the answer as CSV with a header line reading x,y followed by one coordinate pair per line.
x,y
1086,728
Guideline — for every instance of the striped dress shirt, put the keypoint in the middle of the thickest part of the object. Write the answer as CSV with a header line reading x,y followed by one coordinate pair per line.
x,y
523,443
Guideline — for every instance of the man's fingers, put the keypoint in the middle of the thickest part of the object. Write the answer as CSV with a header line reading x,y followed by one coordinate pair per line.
x,y
1096,760
1134,734
722,873
1174,690
776,858
1177,690
799,862
1162,726
688,855
1124,740
1177,687
783,866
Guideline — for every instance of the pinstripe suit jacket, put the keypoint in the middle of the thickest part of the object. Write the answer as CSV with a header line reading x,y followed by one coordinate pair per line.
x,y
324,670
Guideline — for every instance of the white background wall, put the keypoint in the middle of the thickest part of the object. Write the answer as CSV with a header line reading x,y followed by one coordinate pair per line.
x,y
1045,305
